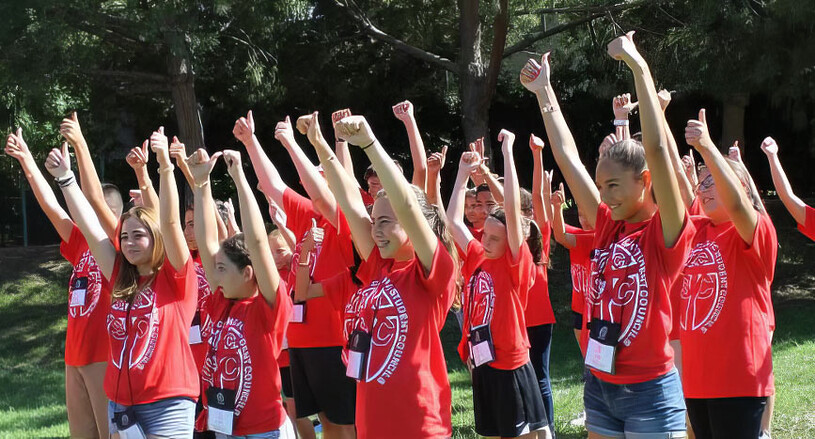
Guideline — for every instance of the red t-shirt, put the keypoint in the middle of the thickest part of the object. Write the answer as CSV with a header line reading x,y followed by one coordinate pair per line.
x,y
367,199
322,326
724,311
199,350
244,338
153,344
538,306
580,262
88,304
808,228
632,272
695,208
283,358
406,393
495,294
477,233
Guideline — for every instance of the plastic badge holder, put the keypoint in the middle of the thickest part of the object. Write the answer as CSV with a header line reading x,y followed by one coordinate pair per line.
x,y
220,410
601,351
359,343
80,287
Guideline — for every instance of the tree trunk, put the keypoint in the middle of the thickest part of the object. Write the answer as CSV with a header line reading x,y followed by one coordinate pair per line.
x,y
474,106
733,120
182,82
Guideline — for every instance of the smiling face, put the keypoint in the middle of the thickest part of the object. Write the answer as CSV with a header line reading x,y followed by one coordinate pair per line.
x,y
388,234
621,189
189,229
494,239
136,242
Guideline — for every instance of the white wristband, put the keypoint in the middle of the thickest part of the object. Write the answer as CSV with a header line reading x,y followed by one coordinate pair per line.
x,y
620,122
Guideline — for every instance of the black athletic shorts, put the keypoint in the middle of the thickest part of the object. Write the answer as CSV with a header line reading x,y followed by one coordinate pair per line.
x,y
507,403
714,418
285,382
320,385
578,320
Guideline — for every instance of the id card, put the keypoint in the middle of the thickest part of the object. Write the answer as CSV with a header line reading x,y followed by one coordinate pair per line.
x,y
195,329
359,343
127,425
298,313
482,350
78,290
220,410
601,351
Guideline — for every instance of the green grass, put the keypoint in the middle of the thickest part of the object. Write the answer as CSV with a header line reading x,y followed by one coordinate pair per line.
x,y
33,320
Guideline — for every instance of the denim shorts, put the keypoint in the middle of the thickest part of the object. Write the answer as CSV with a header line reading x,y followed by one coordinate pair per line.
x,y
171,417
652,409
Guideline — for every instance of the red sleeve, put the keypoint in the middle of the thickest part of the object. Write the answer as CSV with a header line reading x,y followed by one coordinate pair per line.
x,y
584,242
338,289
366,197
72,249
181,280
765,244
696,208
369,268
275,318
344,243
473,258
573,230
299,212
672,259
523,272
808,228
441,277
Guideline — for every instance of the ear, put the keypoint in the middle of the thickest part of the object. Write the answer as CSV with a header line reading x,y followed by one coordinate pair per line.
x,y
248,273
646,178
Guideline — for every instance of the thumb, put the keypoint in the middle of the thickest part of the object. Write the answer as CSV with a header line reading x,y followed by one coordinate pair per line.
x,y
288,120
215,156
560,188
702,117
74,117
250,117
630,35
20,133
161,130
545,57
65,149
444,151
144,146
175,139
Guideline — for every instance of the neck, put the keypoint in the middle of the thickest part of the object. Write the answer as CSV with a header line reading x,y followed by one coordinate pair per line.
x,y
646,212
145,269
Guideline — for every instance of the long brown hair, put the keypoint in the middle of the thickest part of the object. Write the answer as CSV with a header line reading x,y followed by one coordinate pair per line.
x,y
126,285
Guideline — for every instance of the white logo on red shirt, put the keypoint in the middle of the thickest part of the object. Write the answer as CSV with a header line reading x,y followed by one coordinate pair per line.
x,y
143,328
704,287
228,364
203,286
482,290
625,277
382,304
87,264
580,279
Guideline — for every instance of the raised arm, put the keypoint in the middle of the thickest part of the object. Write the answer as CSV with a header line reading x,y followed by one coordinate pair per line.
x,y
270,182
18,149
200,165
137,158
535,77
558,225
254,233
685,187
341,146
468,164
435,163
734,153
279,219
657,155
622,106
795,206
169,221
404,112
731,193
178,152
405,205
305,288
542,211
313,182
58,165
91,186
512,192
345,189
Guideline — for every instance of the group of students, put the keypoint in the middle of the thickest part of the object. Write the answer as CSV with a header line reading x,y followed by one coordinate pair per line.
x,y
211,324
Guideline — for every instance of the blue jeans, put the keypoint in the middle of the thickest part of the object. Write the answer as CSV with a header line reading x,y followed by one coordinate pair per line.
x,y
540,342
286,431
171,417
652,409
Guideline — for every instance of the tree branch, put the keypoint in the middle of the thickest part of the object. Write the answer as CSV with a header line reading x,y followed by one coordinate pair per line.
x,y
368,28
133,76
566,10
533,37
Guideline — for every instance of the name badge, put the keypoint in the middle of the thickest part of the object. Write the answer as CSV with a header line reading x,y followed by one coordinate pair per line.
x,y
359,344
78,290
482,351
220,410
127,425
298,313
195,329
601,351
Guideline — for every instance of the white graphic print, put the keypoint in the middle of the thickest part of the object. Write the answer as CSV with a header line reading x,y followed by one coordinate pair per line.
x,y
87,264
618,275
137,346
382,304
228,364
580,279
482,291
704,287
203,286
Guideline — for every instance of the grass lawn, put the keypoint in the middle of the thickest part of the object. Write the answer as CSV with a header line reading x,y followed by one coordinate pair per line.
x,y
33,311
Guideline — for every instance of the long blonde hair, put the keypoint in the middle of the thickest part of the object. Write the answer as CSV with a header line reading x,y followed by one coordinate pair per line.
x,y
126,285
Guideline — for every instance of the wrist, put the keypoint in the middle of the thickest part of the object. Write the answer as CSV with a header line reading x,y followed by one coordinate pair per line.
x,y
66,179
372,143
